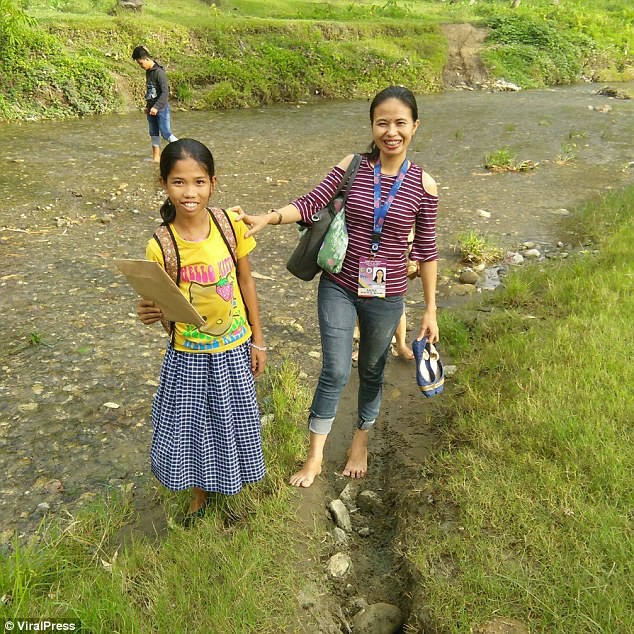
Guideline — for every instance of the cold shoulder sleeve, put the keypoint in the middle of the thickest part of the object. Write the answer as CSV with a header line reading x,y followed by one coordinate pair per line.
x,y
424,248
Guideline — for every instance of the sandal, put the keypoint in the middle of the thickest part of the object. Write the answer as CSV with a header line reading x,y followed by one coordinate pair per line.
x,y
430,375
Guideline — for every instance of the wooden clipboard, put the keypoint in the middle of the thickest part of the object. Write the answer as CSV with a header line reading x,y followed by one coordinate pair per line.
x,y
150,281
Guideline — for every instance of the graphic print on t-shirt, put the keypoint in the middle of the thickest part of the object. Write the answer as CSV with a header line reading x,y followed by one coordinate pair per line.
x,y
214,298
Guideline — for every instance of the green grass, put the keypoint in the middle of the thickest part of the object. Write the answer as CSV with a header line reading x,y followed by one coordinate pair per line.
x,y
538,471
234,572
504,160
475,248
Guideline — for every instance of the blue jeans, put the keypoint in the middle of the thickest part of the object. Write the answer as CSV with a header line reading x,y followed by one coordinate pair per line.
x,y
378,318
159,124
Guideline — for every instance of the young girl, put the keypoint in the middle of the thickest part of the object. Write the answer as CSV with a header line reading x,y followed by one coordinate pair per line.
x,y
389,196
205,417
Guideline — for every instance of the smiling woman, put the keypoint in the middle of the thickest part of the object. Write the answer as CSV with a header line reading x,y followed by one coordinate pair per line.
x,y
398,195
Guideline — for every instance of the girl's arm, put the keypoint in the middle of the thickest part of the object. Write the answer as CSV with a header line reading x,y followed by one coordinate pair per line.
x,y
247,288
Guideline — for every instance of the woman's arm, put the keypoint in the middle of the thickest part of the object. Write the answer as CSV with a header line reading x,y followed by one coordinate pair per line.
x,y
289,213
429,324
247,288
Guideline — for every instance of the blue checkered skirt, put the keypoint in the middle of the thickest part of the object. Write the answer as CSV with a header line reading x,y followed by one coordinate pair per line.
x,y
206,422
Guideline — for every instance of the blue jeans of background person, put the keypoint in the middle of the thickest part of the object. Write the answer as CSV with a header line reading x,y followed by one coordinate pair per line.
x,y
159,124
378,317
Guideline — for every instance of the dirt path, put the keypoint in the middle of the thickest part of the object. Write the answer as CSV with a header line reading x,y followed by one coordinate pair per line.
x,y
464,66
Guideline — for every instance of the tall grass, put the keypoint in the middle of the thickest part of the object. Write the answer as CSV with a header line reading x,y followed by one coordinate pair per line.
x,y
540,483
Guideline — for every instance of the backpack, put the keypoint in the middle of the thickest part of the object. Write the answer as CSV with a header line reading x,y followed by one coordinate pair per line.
x,y
171,257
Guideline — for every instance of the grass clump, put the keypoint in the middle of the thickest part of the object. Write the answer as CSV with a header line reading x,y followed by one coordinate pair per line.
x,y
234,571
474,248
537,475
503,160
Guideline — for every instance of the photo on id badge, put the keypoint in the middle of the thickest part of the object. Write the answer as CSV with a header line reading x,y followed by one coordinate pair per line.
x,y
372,274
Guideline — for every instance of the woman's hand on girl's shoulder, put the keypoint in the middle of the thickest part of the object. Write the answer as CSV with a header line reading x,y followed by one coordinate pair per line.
x,y
148,312
429,184
345,162
255,223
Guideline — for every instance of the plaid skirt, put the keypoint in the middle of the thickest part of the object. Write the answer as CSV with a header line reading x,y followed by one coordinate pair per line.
x,y
206,422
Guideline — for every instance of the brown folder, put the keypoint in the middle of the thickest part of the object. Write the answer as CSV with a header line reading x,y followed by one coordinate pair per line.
x,y
150,281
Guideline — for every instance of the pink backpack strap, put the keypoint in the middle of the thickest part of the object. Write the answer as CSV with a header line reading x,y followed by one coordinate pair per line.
x,y
225,227
171,258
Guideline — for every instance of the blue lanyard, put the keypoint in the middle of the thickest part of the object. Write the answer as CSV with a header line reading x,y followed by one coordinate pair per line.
x,y
380,210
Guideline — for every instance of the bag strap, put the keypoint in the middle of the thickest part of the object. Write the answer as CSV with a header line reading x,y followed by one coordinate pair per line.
x,y
225,227
171,257
172,261
349,176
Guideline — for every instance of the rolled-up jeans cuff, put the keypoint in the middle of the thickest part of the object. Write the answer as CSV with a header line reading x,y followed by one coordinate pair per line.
x,y
365,424
156,141
320,425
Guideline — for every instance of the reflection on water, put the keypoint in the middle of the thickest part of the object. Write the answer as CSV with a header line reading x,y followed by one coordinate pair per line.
x,y
78,193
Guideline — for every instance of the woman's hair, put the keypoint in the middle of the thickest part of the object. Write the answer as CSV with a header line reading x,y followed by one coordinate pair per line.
x,y
140,52
179,151
376,276
401,93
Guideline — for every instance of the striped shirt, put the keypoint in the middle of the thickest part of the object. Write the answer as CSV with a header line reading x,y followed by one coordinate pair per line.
x,y
412,207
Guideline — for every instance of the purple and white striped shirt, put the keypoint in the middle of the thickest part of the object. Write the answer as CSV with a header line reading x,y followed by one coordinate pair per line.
x,y
413,206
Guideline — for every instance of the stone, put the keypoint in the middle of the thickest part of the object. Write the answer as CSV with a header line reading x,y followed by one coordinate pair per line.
x,y
464,289
349,495
468,276
483,213
340,515
450,370
370,502
378,618
514,258
532,254
364,532
339,565
529,245
339,536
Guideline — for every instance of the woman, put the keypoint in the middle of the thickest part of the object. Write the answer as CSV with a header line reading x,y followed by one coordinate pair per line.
x,y
389,196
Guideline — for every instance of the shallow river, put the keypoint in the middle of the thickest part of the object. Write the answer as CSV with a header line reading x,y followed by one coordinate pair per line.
x,y
78,193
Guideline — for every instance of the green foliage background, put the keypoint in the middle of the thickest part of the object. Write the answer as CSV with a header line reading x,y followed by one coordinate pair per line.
x,y
64,58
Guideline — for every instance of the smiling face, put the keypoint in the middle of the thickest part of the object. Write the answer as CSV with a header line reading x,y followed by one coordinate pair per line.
x,y
189,187
393,127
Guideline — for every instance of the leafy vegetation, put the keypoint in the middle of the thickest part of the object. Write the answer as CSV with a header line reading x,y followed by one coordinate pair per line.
x,y
504,160
475,248
72,57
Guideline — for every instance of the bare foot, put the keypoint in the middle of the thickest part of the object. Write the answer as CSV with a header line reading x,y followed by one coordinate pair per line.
x,y
357,465
199,500
404,351
306,476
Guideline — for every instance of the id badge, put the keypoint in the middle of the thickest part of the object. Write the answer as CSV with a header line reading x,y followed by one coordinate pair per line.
x,y
372,274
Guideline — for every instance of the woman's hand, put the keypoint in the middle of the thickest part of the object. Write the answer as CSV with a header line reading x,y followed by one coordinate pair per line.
x,y
255,223
258,361
148,313
429,327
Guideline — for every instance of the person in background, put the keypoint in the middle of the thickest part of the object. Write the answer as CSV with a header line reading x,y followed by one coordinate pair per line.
x,y
157,106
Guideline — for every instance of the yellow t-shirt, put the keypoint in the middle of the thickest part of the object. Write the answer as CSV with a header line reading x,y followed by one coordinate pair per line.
x,y
209,281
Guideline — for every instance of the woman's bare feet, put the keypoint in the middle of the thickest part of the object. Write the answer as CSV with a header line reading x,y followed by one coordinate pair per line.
x,y
312,467
357,465
307,474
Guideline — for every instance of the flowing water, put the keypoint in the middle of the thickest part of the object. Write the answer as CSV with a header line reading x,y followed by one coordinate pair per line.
x,y
78,370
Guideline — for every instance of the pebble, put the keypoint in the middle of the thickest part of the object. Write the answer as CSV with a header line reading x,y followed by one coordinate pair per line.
x,y
339,565
378,618
468,276
340,515
532,254
370,502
